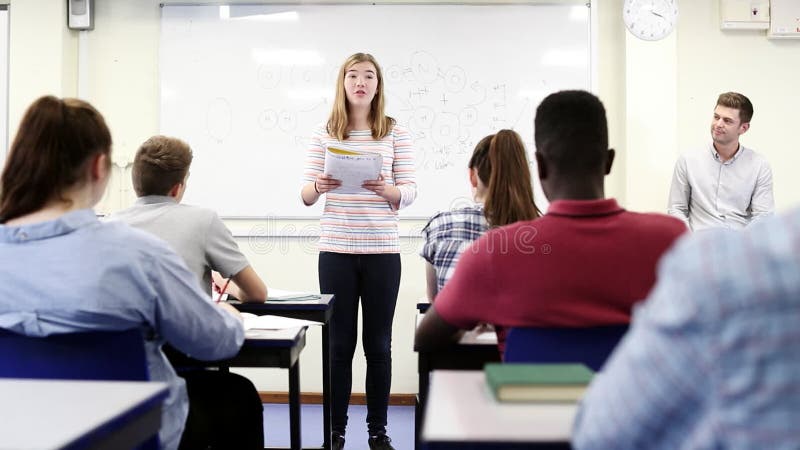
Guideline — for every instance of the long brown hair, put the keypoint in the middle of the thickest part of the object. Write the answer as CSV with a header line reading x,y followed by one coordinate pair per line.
x,y
380,124
509,195
55,141
480,159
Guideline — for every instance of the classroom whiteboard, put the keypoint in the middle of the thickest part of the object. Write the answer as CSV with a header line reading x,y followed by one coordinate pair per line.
x,y
4,40
245,85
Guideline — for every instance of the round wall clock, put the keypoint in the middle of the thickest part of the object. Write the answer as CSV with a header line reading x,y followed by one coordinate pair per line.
x,y
650,20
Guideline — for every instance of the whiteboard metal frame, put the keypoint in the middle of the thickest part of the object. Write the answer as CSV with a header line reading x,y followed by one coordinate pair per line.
x,y
5,89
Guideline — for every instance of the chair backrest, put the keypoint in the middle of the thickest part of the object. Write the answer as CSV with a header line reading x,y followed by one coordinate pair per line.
x,y
590,346
95,355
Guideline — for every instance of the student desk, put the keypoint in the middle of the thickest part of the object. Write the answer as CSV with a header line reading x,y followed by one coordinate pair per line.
x,y
319,311
469,353
265,348
463,414
61,414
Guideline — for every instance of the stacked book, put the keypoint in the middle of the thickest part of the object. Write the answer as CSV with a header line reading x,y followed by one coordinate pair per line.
x,y
514,382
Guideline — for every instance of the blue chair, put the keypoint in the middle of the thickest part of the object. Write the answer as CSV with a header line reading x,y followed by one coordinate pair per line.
x,y
590,346
95,355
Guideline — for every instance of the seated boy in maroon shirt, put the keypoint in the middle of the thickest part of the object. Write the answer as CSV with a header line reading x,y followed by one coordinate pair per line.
x,y
584,263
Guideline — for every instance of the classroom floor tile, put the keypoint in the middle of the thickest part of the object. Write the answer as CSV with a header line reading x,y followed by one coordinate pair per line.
x,y
276,426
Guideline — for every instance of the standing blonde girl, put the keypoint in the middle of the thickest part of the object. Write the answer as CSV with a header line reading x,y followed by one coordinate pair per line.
x,y
359,242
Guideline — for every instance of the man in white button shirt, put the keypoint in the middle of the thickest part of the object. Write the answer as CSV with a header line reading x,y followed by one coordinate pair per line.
x,y
726,184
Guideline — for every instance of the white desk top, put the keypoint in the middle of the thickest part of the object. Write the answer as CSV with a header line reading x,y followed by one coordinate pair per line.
x,y
47,414
256,334
460,408
470,337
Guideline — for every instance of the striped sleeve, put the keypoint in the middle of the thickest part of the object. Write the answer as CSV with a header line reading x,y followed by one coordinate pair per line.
x,y
404,168
315,156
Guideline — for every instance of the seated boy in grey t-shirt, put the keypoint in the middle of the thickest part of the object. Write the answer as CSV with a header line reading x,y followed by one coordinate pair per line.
x,y
160,172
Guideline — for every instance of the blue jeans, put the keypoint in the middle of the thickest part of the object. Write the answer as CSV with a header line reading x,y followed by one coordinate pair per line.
x,y
375,279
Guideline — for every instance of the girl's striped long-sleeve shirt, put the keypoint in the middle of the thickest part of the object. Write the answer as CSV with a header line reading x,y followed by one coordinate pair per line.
x,y
364,222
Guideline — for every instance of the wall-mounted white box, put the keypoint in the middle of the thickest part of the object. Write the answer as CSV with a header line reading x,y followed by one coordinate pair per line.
x,y
80,14
744,14
785,21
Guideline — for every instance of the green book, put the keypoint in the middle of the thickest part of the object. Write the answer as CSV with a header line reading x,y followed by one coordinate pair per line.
x,y
515,382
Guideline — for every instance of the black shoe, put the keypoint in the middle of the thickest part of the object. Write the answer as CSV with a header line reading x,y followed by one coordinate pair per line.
x,y
337,441
380,442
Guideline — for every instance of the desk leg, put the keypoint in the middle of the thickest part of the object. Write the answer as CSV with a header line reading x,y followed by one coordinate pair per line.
x,y
326,388
417,421
294,406
423,369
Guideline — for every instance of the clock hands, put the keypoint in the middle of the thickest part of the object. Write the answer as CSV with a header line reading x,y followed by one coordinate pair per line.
x,y
650,19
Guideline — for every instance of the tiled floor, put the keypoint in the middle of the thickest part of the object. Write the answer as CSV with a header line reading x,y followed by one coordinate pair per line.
x,y
276,426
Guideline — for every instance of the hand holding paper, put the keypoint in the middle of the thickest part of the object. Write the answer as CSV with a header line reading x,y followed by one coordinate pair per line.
x,y
353,169
377,186
326,183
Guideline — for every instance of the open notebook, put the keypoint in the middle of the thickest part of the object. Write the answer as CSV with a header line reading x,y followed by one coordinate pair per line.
x,y
278,295
352,167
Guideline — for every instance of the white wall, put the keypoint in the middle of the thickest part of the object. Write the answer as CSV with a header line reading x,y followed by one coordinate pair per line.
x,y
659,98
42,55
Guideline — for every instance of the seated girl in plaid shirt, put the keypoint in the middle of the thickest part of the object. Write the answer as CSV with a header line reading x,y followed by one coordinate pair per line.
x,y
501,183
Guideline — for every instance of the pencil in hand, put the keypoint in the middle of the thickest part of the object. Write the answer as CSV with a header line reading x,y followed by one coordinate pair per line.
x,y
222,291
